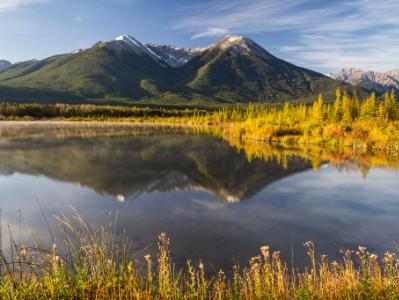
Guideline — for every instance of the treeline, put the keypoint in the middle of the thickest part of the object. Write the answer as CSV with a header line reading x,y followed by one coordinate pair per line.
x,y
345,108
88,111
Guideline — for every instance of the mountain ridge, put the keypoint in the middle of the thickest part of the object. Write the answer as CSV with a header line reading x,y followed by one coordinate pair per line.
x,y
370,80
235,69
4,64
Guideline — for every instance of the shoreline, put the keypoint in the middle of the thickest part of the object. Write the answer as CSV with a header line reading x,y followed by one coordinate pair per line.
x,y
228,132
104,122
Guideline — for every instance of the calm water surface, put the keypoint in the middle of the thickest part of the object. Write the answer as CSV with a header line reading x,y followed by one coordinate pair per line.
x,y
209,198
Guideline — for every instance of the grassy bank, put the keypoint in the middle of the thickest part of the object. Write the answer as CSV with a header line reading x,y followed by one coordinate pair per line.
x,y
371,123
93,264
361,159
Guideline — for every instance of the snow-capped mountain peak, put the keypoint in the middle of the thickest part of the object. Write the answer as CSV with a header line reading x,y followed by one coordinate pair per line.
x,y
129,40
129,43
239,45
176,57
232,40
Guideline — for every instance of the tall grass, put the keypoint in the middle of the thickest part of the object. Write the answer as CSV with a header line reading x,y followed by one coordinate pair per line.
x,y
93,264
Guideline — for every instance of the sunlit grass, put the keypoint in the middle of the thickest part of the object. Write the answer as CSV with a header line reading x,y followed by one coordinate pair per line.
x,y
94,264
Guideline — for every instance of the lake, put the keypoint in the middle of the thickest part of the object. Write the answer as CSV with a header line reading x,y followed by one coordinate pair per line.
x,y
215,200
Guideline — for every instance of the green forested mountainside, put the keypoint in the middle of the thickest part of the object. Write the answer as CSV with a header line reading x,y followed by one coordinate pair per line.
x,y
237,73
257,78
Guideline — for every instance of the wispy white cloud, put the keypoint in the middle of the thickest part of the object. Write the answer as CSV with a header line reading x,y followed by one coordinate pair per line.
x,y
242,15
8,5
210,32
360,33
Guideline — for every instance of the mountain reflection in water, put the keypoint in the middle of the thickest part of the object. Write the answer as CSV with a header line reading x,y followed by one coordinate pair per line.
x,y
141,159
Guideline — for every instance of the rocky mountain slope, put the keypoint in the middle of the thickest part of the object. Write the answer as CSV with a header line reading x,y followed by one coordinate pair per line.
x,y
370,80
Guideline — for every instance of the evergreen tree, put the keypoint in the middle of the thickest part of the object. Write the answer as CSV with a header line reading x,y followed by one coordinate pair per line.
x,y
317,109
347,108
382,111
394,109
355,107
385,108
337,109
368,107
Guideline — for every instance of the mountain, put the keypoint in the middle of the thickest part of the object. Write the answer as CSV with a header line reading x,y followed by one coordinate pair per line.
x,y
238,69
235,69
4,64
117,68
370,80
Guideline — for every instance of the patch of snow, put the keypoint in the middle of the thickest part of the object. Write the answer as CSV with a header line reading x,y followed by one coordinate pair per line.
x,y
173,56
129,40
77,51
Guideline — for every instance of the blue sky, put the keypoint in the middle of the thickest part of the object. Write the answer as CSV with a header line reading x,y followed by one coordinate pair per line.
x,y
324,35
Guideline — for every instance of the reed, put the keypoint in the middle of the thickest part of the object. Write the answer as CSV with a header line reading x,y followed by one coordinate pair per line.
x,y
95,264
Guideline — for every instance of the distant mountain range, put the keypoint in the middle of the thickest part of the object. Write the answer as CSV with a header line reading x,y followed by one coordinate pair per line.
x,y
235,69
370,80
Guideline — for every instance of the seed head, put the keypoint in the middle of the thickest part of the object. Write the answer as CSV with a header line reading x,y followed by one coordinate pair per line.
x,y
23,251
362,249
265,251
147,258
373,257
